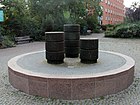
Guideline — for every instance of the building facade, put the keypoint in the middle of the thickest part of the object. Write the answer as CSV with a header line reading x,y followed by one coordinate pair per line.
x,y
113,11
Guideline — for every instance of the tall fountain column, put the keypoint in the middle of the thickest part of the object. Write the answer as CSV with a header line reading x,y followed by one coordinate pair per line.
x,y
54,47
72,36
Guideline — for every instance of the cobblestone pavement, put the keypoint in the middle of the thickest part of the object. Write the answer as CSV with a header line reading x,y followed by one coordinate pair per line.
x,y
130,96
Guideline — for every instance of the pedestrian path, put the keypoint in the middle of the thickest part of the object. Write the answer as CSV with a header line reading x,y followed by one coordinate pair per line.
x,y
130,96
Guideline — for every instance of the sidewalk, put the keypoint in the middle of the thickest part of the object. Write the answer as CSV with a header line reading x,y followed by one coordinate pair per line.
x,y
94,35
130,96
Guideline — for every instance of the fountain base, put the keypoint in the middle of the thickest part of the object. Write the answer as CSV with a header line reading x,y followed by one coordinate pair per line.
x,y
71,80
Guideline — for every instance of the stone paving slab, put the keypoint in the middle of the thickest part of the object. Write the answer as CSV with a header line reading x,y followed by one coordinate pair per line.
x,y
130,96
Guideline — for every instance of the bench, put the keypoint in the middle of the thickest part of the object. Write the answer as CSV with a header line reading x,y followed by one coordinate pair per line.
x,y
109,29
23,39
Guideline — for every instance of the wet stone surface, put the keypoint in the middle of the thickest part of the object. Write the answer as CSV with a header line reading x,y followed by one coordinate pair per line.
x,y
35,62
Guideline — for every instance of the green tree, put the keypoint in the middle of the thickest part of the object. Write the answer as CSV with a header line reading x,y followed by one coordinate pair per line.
x,y
52,14
133,13
34,17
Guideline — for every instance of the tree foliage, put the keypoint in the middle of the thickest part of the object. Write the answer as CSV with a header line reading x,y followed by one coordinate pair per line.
x,y
133,13
34,17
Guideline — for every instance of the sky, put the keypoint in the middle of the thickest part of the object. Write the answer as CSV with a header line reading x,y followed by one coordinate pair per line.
x,y
128,3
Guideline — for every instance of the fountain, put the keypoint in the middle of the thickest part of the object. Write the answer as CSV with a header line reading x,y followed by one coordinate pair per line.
x,y
71,78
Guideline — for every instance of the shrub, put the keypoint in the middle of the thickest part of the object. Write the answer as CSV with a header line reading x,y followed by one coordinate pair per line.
x,y
129,30
7,42
92,23
104,27
83,25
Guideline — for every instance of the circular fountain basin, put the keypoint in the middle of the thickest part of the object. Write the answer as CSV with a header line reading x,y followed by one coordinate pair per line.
x,y
71,80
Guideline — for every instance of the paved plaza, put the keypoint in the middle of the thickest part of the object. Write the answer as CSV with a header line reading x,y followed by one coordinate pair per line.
x,y
130,96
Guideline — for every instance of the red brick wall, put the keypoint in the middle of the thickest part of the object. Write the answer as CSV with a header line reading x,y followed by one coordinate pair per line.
x,y
113,11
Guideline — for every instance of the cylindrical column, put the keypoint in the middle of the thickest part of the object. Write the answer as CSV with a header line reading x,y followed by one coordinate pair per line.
x,y
88,50
54,47
72,36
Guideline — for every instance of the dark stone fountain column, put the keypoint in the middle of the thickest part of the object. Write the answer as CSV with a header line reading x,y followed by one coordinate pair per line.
x,y
88,50
72,36
54,47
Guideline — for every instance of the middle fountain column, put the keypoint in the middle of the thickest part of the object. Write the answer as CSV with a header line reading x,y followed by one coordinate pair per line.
x,y
72,40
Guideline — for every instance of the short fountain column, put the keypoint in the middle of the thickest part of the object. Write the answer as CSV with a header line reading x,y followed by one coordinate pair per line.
x,y
88,50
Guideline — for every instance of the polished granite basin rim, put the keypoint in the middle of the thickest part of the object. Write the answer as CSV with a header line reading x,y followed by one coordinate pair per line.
x,y
71,80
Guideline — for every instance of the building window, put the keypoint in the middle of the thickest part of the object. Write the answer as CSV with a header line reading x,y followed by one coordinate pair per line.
x,y
105,10
108,3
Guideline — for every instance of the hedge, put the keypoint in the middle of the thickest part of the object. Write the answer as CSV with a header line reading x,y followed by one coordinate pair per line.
x,y
128,30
